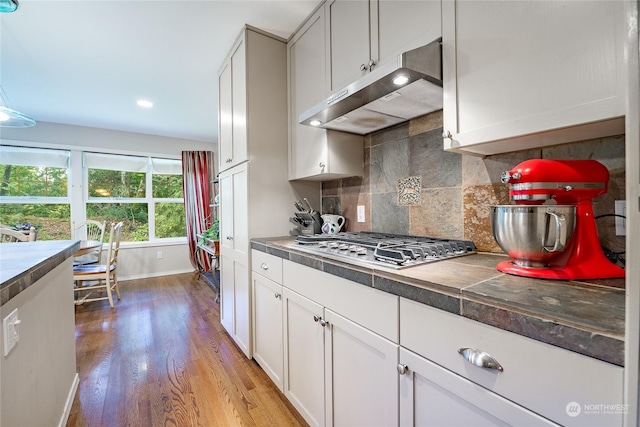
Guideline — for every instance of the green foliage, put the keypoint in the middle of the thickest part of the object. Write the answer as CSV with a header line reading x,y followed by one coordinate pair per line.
x,y
212,233
170,220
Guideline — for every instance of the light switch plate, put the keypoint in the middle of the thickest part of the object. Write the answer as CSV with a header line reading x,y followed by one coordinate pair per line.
x,y
10,331
621,223
360,213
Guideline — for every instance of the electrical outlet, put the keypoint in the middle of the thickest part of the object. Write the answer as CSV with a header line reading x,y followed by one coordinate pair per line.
x,y
159,254
360,213
621,223
10,331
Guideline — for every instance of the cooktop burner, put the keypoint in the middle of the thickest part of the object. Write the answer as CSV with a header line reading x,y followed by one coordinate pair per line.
x,y
387,250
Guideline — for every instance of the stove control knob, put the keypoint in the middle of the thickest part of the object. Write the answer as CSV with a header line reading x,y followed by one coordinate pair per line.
x,y
343,247
361,250
333,245
353,248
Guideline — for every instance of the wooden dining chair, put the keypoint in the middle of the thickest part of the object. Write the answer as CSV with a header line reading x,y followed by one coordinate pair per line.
x,y
89,230
8,235
103,277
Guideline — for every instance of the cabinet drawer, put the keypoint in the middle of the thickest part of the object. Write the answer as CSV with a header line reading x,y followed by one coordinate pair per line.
x,y
538,376
269,266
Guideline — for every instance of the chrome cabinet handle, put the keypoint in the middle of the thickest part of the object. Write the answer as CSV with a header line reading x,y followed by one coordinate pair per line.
x,y
480,359
372,64
323,323
316,318
277,295
264,266
363,67
402,369
229,160
321,165
446,134
229,237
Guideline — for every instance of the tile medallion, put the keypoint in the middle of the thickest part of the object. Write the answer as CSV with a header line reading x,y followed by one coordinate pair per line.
x,y
409,191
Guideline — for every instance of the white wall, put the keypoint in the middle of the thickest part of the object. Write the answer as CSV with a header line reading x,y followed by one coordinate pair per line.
x,y
136,260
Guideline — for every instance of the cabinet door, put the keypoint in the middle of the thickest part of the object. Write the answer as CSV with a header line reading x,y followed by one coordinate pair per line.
x,y
227,303
349,33
232,105
307,87
359,363
234,266
239,93
506,79
225,117
304,357
234,234
432,395
404,25
267,327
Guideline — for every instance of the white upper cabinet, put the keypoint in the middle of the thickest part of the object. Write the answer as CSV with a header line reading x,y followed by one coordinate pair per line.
x,y
520,75
364,34
232,84
315,154
349,34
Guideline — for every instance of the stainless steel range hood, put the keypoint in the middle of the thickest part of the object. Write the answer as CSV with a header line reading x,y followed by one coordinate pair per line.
x,y
374,102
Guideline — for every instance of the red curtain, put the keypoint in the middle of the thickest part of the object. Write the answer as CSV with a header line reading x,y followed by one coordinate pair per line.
x,y
197,174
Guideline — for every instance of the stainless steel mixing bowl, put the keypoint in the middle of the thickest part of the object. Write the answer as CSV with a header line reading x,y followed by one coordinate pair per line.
x,y
533,235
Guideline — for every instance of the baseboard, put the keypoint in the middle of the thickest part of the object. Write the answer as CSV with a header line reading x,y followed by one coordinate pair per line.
x,y
69,402
149,275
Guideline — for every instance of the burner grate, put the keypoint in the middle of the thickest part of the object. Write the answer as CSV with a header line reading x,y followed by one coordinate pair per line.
x,y
396,251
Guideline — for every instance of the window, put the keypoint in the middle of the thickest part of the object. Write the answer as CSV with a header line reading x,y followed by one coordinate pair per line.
x,y
143,192
34,191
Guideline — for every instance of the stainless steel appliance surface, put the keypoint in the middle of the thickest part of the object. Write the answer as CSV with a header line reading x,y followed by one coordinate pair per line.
x,y
385,250
393,93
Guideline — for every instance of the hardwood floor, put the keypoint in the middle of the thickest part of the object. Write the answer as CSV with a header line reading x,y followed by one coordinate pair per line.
x,y
161,358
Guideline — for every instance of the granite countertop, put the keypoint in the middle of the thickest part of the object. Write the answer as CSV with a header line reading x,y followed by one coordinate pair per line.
x,y
24,263
586,317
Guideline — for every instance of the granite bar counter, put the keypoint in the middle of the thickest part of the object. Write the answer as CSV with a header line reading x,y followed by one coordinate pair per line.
x,y
24,263
586,317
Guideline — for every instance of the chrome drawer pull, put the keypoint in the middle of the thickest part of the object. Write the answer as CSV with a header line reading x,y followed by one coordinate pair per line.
x,y
402,369
480,359
264,266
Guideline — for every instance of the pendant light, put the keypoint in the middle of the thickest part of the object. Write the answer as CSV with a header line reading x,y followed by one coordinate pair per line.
x,y
8,6
11,118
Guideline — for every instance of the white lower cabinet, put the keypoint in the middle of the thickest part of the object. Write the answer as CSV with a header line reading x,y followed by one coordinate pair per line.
x,y
563,386
433,396
304,357
339,368
346,354
361,379
267,327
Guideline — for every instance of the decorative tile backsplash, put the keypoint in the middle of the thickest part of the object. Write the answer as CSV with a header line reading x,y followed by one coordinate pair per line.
x,y
412,186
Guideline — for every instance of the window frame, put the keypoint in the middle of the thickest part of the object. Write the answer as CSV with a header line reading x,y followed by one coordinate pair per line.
x,y
78,188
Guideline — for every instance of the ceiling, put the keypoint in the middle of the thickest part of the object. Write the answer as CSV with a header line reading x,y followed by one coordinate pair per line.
x,y
86,62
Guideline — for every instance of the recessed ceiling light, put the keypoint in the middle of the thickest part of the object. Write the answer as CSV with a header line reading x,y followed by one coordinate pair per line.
x,y
144,103
400,80
315,122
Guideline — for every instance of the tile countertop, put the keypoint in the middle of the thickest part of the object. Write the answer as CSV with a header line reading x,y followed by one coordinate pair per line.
x,y
584,317
22,264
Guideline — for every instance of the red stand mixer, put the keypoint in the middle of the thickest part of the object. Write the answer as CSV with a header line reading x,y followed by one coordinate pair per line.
x,y
553,241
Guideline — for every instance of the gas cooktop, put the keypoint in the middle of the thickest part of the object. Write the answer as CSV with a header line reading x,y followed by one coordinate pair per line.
x,y
386,250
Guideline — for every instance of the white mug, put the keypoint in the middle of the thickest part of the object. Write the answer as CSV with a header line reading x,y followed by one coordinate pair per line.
x,y
332,223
